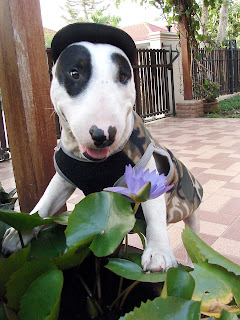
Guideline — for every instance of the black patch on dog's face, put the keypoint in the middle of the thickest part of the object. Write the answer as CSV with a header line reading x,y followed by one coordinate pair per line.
x,y
74,69
124,70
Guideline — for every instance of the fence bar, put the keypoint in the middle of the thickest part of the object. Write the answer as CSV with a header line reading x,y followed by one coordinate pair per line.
x,y
231,67
172,81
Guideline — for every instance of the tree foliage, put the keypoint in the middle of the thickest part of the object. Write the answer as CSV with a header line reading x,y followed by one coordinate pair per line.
x,y
88,11
199,14
233,27
48,39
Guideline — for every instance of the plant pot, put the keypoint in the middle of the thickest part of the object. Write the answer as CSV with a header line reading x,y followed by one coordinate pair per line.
x,y
74,296
209,107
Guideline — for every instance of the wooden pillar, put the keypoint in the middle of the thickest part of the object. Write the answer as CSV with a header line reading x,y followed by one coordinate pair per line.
x,y
186,54
25,87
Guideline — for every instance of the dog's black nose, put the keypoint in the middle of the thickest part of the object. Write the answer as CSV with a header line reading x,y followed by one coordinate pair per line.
x,y
99,137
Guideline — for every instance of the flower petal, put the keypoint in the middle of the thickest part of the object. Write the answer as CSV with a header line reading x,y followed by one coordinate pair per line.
x,y
146,175
159,191
129,176
139,173
139,183
121,190
154,176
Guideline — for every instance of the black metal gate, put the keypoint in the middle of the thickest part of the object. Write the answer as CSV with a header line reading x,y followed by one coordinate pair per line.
x,y
154,81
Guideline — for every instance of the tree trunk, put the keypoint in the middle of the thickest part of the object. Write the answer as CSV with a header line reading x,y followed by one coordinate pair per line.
x,y
185,51
223,20
204,19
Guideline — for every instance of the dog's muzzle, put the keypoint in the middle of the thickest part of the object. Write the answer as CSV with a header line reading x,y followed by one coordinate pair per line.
x,y
99,138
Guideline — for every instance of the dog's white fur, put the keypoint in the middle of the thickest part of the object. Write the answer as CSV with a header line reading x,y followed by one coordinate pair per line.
x,y
104,103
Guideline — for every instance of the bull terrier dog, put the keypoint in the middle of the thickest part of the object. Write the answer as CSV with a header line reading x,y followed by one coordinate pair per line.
x,y
93,93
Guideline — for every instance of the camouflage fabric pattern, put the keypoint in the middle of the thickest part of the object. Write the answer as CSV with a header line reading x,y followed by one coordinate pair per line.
x,y
186,195
138,141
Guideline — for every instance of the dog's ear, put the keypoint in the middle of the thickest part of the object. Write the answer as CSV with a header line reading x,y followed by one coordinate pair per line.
x,y
95,33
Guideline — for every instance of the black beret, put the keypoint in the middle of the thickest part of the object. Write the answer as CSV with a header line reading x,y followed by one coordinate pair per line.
x,y
95,33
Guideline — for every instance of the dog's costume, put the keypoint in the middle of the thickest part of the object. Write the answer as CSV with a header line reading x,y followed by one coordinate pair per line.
x,y
93,176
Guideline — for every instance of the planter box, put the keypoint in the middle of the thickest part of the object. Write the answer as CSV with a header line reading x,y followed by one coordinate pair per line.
x,y
190,109
209,107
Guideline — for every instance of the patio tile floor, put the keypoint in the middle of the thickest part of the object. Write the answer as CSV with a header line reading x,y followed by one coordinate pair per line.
x,y
210,148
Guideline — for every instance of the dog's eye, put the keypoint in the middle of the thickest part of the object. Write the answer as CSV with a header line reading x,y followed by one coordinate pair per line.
x,y
75,74
122,78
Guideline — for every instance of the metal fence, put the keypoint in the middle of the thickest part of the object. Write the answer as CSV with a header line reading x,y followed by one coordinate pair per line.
x,y
154,81
219,65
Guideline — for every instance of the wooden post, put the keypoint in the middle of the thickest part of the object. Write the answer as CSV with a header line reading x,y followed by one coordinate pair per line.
x,y
186,54
24,81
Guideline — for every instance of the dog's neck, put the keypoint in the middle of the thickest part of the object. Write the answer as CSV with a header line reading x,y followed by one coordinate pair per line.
x,y
70,144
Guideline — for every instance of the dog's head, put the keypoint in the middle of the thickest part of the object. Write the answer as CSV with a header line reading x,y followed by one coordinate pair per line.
x,y
93,93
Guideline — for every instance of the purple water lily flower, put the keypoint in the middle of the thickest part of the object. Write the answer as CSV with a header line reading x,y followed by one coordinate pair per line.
x,y
136,182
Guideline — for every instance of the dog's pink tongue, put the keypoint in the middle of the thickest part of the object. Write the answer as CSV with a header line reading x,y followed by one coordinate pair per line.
x,y
98,153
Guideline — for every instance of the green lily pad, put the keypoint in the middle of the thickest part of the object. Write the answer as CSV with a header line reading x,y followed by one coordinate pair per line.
x,y
199,252
134,257
42,299
51,244
102,220
23,221
23,278
10,265
132,271
216,288
62,218
71,258
165,309
179,283
228,316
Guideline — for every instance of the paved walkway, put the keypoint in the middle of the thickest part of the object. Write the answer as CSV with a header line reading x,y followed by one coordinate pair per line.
x,y
210,148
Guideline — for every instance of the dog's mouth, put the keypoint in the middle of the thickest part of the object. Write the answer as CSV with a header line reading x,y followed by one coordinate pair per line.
x,y
94,154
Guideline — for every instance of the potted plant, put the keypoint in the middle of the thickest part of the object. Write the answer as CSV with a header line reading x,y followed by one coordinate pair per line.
x,y
7,201
210,93
77,269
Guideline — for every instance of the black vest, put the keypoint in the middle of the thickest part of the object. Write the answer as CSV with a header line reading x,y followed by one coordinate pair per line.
x,y
94,176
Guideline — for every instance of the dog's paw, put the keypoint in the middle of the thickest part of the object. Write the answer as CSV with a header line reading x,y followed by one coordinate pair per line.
x,y
155,259
11,241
